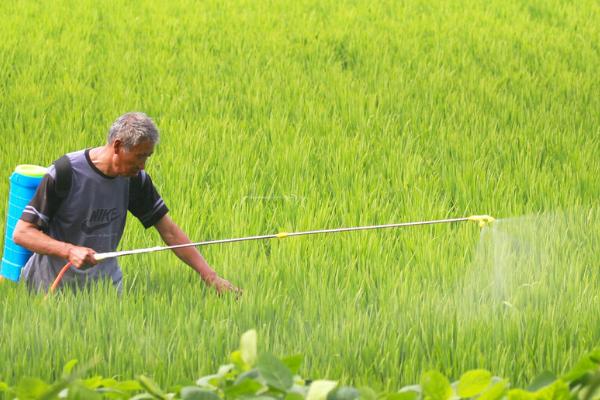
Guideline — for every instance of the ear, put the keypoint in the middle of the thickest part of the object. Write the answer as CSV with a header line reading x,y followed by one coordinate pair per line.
x,y
118,146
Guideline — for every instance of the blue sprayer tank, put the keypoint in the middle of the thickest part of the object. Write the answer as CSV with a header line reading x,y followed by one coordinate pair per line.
x,y
23,184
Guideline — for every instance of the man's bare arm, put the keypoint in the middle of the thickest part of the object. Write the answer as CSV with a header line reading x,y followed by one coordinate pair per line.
x,y
172,234
29,236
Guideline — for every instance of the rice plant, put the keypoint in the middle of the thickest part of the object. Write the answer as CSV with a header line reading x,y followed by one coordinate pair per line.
x,y
287,116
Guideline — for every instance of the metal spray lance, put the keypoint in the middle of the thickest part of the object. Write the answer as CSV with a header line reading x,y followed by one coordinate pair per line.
x,y
482,220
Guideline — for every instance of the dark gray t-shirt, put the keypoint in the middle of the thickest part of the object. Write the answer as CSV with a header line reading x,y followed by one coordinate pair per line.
x,y
92,215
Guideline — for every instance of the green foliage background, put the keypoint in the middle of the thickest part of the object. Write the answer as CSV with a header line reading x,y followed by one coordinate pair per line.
x,y
284,116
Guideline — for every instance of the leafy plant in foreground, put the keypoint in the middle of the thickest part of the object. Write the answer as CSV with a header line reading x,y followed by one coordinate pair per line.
x,y
266,377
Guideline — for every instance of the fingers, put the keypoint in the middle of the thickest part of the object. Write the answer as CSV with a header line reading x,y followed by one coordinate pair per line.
x,y
80,256
223,285
90,259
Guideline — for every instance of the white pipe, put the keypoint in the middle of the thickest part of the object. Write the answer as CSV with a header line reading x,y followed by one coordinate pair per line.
x,y
481,219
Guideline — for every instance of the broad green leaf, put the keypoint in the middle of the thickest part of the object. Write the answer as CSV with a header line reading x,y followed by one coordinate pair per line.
x,y
209,381
55,390
408,395
435,386
238,361
3,387
594,356
592,390
556,391
152,388
252,374
92,382
343,393
275,373
213,381
585,366
108,382
110,393
225,369
366,393
319,390
68,368
411,388
31,388
293,362
195,393
520,394
248,347
128,386
473,382
143,396
245,387
293,396
495,392
544,379
78,392
263,397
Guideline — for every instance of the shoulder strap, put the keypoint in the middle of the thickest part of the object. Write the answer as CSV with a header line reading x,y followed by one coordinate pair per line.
x,y
63,176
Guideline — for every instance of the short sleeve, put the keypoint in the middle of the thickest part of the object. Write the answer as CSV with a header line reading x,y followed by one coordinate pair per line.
x,y
43,205
144,201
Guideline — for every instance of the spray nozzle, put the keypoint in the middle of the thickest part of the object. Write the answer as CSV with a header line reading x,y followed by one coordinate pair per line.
x,y
483,220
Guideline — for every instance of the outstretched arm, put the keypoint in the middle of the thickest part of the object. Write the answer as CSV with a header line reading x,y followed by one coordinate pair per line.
x,y
173,235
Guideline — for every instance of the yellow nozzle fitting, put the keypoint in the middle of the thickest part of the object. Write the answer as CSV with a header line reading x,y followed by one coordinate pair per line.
x,y
483,220
281,235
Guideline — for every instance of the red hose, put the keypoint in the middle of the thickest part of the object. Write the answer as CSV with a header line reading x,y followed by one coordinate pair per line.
x,y
59,277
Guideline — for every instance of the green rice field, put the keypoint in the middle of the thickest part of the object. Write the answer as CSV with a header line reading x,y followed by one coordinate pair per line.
x,y
300,115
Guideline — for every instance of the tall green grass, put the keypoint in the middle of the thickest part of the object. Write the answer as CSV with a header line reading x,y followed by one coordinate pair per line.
x,y
283,116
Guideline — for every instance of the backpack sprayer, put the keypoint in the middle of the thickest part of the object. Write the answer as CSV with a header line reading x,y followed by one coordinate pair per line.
x,y
23,184
482,220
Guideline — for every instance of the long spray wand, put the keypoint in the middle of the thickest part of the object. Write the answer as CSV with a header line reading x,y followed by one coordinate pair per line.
x,y
482,220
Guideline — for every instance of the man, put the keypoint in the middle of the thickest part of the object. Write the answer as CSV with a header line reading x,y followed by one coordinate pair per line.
x,y
89,216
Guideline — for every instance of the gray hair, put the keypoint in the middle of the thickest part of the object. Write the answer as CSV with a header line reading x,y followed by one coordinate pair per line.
x,y
132,129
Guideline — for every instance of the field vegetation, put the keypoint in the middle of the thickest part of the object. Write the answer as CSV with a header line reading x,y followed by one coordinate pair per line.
x,y
298,115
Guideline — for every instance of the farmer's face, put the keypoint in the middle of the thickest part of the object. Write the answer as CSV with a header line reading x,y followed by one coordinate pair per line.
x,y
131,162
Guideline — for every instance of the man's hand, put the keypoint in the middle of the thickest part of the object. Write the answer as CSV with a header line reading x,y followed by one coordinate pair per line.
x,y
80,256
223,285
32,238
